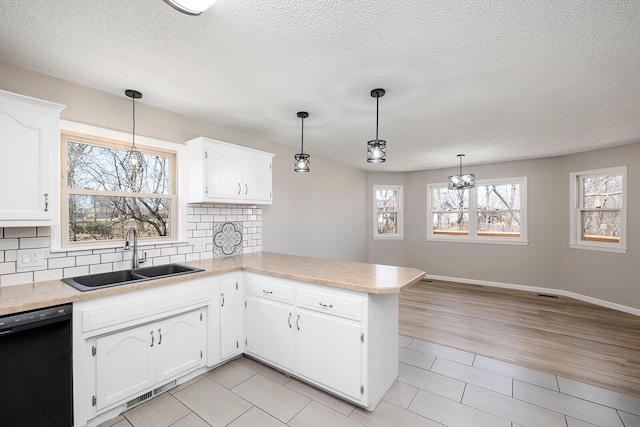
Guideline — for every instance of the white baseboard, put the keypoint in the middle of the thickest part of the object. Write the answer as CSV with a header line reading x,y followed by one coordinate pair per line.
x,y
548,291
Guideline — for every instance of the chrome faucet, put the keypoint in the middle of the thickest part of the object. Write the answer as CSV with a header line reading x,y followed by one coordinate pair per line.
x,y
127,246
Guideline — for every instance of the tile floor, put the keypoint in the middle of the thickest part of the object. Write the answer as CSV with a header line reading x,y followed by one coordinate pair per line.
x,y
437,386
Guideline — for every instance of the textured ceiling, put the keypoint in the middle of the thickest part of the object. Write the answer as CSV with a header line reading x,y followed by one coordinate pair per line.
x,y
497,80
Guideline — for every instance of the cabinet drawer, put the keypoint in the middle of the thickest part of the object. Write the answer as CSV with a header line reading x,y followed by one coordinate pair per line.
x,y
270,290
331,303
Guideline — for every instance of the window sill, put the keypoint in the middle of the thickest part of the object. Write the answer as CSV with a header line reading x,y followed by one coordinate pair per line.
x,y
481,241
598,248
119,245
388,237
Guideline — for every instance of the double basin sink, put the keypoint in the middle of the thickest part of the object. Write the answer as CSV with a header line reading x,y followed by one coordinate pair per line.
x,y
125,277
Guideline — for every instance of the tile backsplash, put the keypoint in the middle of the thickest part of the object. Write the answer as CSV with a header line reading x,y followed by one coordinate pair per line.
x,y
245,220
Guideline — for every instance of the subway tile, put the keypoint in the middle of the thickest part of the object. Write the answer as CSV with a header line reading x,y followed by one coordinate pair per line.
x,y
87,259
8,244
100,268
178,258
452,413
104,251
11,256
200,233
7,267
213,211
160,260
511,409
1,256
200,211
185,250
206,219
530,376
75,271
442,351
168,251
34,242
430,381
45,275
111,257
61,262
236,211
19,232
600,395
489,380
193,257
16,279
569,405
43,231
193,218
121,265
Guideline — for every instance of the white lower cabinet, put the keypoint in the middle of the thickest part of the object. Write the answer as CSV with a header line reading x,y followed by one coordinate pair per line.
x,y
269,327
133,360
231,330
328,351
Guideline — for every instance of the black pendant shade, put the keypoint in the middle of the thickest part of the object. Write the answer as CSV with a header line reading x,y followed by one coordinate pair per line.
x,y
377,148
301,160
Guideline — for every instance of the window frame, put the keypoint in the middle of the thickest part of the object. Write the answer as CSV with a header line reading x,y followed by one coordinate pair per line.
x,y
575,217
400,212
118,140
472,236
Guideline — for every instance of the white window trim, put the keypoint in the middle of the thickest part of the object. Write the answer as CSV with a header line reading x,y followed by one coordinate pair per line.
x,y
180,149
574,215
400,234
472,237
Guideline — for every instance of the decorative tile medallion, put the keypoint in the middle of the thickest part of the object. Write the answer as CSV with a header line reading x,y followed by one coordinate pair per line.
x,y
227,238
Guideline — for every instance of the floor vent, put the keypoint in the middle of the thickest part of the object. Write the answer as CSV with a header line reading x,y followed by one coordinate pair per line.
x,y
547,296
148,395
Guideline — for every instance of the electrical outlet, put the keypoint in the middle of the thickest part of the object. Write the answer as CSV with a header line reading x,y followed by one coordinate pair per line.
x,y
30,258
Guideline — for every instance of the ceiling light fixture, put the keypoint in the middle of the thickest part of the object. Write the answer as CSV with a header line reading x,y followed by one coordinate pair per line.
x,y
460,181
190,7
133,160
377,148
301,160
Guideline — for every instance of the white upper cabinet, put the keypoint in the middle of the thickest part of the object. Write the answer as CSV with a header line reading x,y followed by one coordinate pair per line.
x,y
220,172
29,163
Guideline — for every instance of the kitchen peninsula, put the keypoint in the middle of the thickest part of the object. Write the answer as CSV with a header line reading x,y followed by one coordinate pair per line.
x,y
332,324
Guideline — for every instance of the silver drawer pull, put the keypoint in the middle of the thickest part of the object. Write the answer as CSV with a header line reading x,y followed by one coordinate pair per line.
x,y
267,292
46,202
289,320
298,322
151,339
326,305
160,333
239,188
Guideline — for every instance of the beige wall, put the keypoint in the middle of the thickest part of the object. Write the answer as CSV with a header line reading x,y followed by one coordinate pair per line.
x,y
547,261
316,214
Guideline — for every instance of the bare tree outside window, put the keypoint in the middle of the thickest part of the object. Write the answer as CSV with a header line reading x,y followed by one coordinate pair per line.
x,y
387,212
450,211
105,197
601,200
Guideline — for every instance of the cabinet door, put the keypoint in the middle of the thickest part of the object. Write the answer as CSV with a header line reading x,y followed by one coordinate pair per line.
x,y
328,350
270,331
223,172
180,345
257,177
26,141
230,318
125,364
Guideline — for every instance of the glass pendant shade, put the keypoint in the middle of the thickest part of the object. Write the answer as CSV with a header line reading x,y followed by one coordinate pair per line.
x,y
190,7
462,181
377,148
301,160
376,151
133,160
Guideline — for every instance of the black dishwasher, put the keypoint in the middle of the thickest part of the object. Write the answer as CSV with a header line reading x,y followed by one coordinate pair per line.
x,y
36,368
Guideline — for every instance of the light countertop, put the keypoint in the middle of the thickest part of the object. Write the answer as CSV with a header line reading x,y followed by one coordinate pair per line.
x,y
362,277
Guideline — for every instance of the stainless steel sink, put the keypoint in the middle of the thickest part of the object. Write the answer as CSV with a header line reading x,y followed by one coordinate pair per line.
x,y
125,277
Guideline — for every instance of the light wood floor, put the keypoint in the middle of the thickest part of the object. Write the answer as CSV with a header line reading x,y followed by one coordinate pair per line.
x,y
561,336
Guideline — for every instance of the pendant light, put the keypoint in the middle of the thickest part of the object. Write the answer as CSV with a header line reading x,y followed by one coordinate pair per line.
x,y
133,160
460,181
301,160
377,148
190,7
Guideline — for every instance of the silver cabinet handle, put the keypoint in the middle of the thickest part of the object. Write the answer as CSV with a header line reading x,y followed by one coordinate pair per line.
x,y
239,188
326,305
267,292
160,333
246,189
289,320
151,339
298,322
222,300
46,202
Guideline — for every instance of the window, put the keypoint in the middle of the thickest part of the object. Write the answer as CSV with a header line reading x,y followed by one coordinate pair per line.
x,y
101,198
598,209
494,211
387,212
